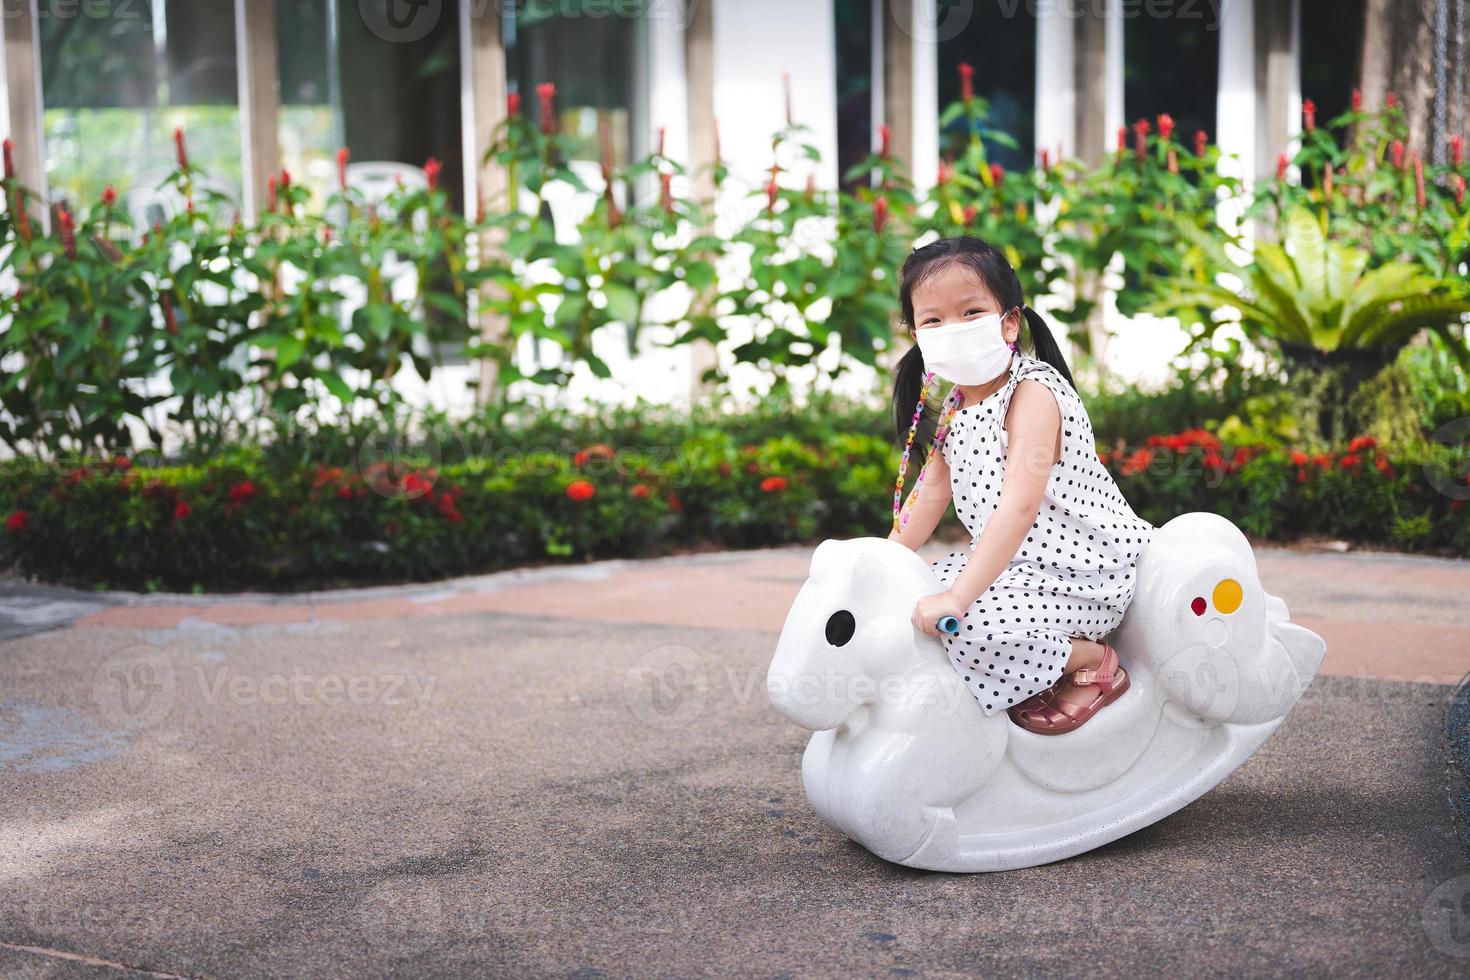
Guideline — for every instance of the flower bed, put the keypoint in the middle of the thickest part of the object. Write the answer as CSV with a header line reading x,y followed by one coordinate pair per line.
x,y
238,523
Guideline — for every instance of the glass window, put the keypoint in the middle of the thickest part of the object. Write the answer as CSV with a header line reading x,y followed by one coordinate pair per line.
x,y
999,41
388,97
854,23
587,51
1172,64
1331,49
117,77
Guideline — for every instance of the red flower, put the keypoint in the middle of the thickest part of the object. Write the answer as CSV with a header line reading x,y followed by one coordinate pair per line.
x,y
1391,100
943,177
598,450
18,520
970,213
170,321
580,490
270,194
344,493
1350,461
23,215
724,469
1166,126
1298,458
9,158
997,174
771,484
448,510
1122,139
109,196
513,104
1103,457
180,150
1140,138
1457,149
880,214
241,491
343,155
285,179
1301,476
1309,115
666,192
675,504
68,231
1322,460
1419,197
772,189
1384,466
1281,164
431,171
1459,188
1201,140
546,91
182,510
1357,100
1137,461
1361,443
640,490
1397,152
121,463
885,141
967,82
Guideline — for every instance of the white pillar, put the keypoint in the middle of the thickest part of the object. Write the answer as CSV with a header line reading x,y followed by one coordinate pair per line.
x,y
1056,90
924,154
1235,102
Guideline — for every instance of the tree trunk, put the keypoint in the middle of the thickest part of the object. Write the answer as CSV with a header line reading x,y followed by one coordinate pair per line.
x,y
1416,50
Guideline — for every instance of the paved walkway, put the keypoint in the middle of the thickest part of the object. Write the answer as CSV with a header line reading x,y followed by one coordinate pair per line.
x,y
1386,616
574,772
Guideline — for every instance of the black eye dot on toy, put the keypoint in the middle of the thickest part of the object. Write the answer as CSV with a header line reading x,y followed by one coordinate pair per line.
x,y
840,627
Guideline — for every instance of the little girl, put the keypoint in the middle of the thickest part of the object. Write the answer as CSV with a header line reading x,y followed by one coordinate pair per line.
x,y
1054,545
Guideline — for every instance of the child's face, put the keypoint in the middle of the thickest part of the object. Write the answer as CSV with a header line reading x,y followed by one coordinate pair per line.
x,y
953,294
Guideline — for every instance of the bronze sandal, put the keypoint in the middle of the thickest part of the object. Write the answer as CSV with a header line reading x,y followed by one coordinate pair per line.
x,y
1057,716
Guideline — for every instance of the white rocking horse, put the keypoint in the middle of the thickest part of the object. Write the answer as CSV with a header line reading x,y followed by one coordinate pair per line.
x,y
904,762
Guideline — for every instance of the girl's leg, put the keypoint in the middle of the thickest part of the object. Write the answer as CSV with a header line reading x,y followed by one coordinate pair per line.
x,y
1085,653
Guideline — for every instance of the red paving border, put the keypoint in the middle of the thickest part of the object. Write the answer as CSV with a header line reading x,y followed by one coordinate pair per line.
x,y
1387,617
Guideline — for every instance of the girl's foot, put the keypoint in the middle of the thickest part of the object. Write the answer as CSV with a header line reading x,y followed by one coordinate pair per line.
x,y
1072,703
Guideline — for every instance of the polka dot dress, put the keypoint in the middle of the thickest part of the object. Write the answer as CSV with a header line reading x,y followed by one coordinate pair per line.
x,y
1073,574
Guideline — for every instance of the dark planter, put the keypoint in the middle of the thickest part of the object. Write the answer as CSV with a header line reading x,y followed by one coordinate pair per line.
x,y
1360,363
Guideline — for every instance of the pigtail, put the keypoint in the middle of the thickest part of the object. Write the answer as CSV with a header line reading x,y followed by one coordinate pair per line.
x,y
908,388
1044,345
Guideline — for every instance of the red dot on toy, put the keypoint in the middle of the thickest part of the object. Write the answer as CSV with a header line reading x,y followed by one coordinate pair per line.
x,y
1198,605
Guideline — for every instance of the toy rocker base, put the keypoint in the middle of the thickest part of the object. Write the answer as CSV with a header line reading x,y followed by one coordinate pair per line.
x,y
904,762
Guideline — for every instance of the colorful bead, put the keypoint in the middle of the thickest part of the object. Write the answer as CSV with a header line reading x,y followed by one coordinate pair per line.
x,y
952,405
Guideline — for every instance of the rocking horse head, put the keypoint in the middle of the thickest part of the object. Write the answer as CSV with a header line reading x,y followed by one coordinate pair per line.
x,y
849,630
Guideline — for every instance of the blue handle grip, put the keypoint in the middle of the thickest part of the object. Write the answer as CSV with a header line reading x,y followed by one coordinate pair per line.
x,y
950,625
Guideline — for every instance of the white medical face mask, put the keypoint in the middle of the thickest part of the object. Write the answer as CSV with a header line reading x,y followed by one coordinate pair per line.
x,y
967,352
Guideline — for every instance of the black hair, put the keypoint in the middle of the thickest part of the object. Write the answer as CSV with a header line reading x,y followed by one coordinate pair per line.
x,y
989,265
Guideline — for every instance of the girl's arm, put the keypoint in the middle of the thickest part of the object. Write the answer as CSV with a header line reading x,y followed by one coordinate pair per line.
x,y
1034,424
929,506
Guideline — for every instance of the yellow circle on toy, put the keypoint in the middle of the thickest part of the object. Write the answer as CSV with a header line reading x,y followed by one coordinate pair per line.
x,y
1227,595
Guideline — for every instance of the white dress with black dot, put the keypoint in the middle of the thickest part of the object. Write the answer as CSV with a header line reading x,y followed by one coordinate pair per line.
x,y
1074,573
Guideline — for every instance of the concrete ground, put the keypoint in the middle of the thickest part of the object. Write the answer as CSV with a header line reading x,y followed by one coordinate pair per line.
x,y
575,772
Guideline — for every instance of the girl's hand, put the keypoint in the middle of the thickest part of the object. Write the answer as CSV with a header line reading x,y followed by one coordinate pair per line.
x,y
929,610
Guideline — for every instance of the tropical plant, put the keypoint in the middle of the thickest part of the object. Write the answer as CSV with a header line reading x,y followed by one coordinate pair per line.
x,y
1318,293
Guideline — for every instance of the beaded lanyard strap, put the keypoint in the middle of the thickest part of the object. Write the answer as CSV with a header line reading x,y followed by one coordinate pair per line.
x,y
952,405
